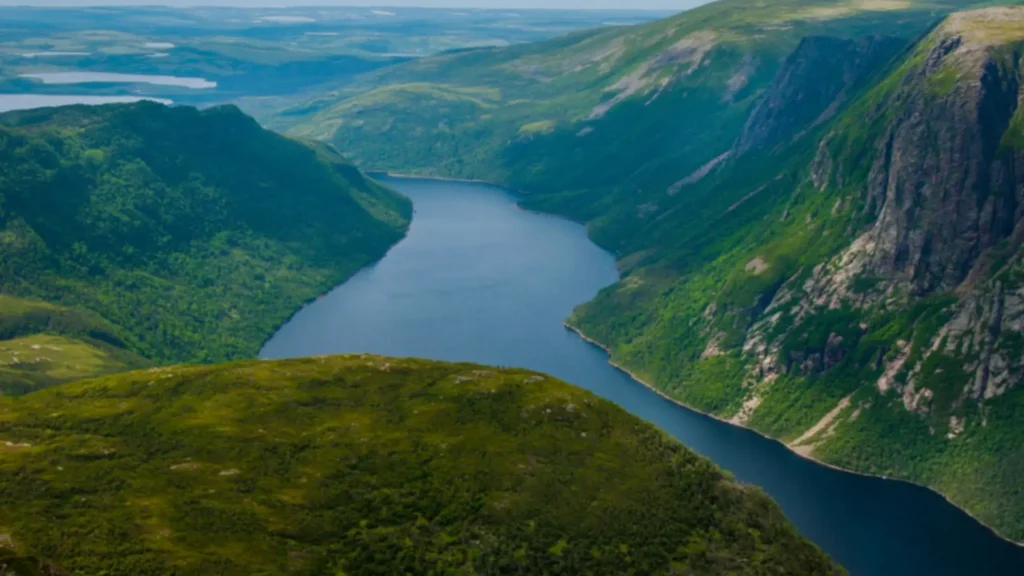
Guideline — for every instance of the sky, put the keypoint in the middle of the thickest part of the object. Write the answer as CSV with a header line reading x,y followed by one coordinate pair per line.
x,y
676,5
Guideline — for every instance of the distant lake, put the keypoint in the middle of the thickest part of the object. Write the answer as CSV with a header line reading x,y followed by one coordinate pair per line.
x,y
478,279
113,77
10,102
52,54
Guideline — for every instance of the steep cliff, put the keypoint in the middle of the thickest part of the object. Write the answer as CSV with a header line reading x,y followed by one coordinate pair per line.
x,y
821,75
901,353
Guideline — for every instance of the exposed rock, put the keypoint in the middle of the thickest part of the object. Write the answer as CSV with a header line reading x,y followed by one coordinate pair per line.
x,y
756,266
940,189
887,380
658,71
741,77
816,79
713,347
699,174
747,410
941,210
956,427
827,422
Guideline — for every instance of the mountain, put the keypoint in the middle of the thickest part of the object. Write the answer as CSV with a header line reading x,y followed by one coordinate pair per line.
x,y
133,234
816,207
367,465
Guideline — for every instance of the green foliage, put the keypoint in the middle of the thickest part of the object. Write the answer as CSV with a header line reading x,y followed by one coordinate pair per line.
x,y
713,383
34,362
1014,135
174,233
794,404
978,469
42,344
369,465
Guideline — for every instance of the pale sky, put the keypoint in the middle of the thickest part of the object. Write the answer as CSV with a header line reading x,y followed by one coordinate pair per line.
x,y
675,5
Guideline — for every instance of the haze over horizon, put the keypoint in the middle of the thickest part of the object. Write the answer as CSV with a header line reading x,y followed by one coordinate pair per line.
x,y
678,5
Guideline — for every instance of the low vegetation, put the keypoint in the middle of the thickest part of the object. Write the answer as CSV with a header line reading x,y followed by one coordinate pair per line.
x,y
367,465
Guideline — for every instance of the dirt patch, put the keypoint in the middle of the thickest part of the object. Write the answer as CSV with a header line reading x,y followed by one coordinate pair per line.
x,y
746,411
756,266
187,466
827,422
9,446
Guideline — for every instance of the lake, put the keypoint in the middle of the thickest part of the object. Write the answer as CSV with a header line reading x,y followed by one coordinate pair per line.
x,y
478,279
115,78
10,102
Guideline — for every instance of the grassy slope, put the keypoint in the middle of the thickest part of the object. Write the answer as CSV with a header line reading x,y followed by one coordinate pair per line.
x,y
42,344
470,114
368,465
177,250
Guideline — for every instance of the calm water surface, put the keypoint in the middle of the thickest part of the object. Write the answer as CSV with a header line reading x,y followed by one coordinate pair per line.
x,y
115,78
480,280
10,102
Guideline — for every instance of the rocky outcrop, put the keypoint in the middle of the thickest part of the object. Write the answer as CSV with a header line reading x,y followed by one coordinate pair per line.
x,y
819,77
938,202
941,188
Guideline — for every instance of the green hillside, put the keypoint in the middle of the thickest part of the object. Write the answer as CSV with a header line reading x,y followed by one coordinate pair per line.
x,y
589,122
815,207
368,465
168,234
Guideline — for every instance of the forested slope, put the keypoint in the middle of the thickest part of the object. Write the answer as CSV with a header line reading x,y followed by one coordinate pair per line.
x,y
169,234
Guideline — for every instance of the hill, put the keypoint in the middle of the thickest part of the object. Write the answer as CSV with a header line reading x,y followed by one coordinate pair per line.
x,y
368,465
140,231
815,206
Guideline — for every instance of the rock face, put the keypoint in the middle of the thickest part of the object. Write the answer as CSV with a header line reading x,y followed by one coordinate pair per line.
x,y
909,335
815,81
944,198
941,186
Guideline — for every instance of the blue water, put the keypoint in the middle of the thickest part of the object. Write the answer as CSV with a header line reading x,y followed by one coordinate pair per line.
x,y
10,102
479,279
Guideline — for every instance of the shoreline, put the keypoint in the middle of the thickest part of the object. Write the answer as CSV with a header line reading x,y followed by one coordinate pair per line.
x,y
809,458
641,381
298,309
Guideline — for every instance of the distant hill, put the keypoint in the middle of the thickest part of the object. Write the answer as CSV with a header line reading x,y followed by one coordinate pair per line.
x,y
367,465
131,232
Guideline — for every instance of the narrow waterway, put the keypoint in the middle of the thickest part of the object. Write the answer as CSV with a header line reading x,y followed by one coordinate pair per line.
x,y
478,279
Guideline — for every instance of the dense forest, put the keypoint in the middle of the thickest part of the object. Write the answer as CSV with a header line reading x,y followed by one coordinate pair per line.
x,y
171,233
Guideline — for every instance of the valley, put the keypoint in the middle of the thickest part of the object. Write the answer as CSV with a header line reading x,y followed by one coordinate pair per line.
x,y
797,222
433,296
778,182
